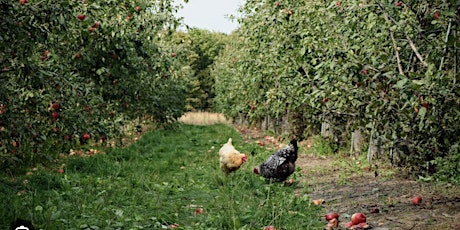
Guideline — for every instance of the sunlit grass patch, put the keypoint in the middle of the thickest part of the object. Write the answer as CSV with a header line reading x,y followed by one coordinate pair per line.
x,y
204,118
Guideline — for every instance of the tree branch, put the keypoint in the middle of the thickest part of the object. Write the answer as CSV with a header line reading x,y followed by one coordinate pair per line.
x,y
398,59
417,54
411,43
445,46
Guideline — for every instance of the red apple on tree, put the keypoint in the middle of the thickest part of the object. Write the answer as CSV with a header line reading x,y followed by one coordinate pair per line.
x,y
55,105
398,4
277,3
45,55
338,3
23,2
87,108
138,8
55,115
96,24
173,54
86,136
436,14
81,17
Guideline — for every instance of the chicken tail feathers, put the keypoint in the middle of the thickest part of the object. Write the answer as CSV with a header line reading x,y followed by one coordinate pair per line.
x,y
229,141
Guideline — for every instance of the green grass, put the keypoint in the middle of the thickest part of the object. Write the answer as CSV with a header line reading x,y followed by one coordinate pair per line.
x,y
158,181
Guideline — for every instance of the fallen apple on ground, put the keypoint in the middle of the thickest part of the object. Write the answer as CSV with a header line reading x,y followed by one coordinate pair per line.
x,y
358,218
332,215
416,200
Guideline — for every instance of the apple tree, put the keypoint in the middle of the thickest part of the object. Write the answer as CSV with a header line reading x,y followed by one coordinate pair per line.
x,y
386,67
74,72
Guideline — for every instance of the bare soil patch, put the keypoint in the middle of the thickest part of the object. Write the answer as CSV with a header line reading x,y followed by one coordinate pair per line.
x,y
384,194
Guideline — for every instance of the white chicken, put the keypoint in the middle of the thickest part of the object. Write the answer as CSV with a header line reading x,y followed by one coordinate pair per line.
x,y
230,158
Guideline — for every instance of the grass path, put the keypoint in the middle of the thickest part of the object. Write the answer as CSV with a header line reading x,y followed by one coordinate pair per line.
x,y
166,179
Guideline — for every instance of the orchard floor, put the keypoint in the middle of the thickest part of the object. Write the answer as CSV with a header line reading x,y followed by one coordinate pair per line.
x,y
383,194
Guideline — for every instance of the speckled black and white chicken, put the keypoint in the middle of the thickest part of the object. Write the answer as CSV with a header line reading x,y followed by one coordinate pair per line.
x,y
280,165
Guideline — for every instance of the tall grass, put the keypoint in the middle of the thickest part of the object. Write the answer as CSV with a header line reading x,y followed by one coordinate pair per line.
x,y
157,182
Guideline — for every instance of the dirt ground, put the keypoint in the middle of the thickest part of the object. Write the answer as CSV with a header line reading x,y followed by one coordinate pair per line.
x,y
383,193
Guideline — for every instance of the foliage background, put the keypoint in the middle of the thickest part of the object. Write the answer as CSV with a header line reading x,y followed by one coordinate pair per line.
x,y
387,68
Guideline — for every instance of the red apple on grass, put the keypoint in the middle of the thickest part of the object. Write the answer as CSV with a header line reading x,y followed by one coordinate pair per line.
x,y
416,200
199,211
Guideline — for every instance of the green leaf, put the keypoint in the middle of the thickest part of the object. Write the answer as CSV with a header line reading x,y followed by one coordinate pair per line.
x,y
419,82
400,84
101,71
422,112
61,19
38,208
303,51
